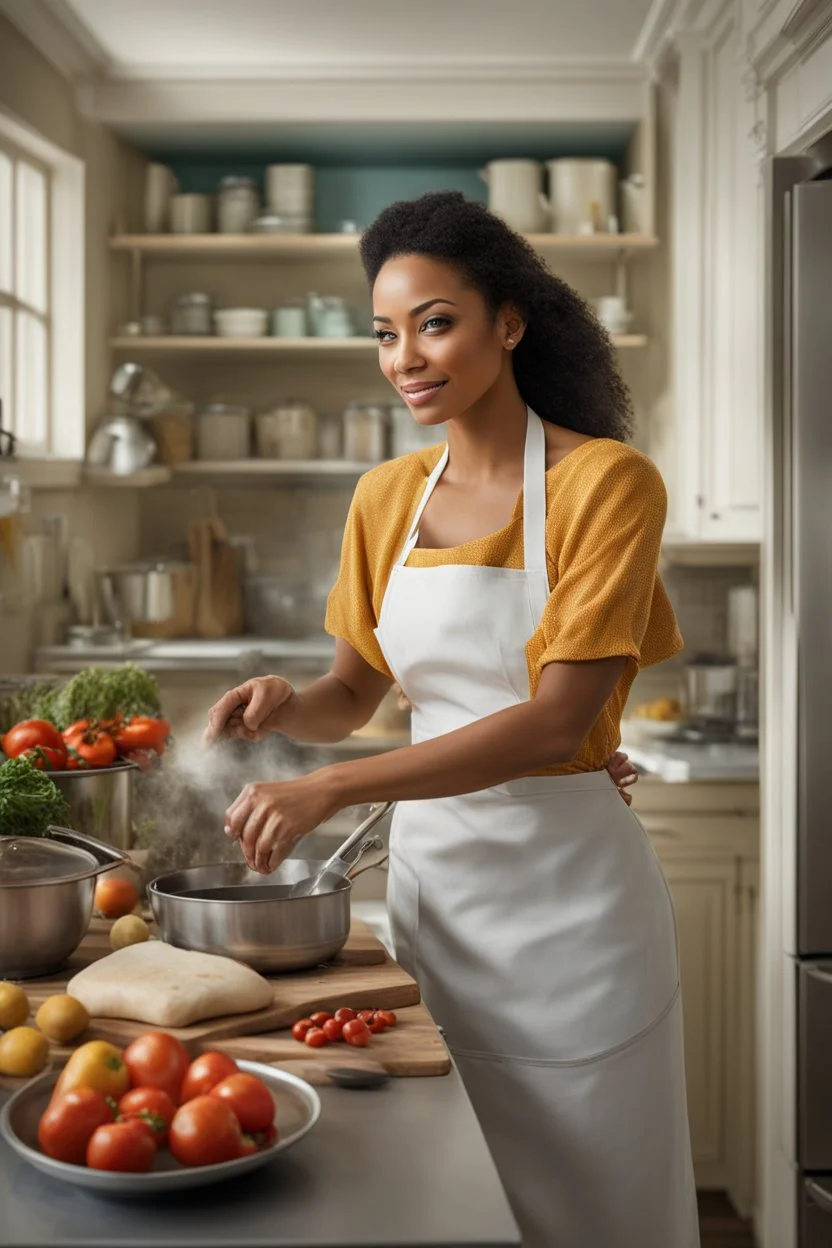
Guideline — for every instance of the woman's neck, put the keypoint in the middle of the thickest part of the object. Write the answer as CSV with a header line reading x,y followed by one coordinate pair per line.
x,y
486,443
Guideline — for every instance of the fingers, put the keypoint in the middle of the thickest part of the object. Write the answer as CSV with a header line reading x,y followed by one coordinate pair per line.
x,y
238,813
259,706
224,711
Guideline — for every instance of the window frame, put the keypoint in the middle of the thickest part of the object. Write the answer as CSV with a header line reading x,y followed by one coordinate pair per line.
x,y
65,320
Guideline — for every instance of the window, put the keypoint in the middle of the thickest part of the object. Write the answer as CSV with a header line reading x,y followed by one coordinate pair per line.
x,y
41,293
25,323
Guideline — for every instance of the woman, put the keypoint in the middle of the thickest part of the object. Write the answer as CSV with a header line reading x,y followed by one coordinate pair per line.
x,y
508,582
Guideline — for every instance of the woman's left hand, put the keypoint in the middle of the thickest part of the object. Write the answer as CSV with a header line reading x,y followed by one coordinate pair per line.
x,y
269,819
623,773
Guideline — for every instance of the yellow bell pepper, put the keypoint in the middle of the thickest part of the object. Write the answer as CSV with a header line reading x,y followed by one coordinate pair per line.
x,y
98,1065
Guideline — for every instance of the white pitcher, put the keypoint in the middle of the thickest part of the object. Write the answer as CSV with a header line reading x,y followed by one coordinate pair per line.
x,y
514,193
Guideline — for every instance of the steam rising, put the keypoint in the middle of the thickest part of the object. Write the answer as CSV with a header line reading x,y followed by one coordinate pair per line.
x,y
180,808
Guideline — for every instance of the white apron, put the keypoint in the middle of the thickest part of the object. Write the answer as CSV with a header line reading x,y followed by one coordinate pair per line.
x,y
538,923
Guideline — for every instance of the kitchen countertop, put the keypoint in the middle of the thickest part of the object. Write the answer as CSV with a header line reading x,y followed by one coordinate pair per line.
x,y
186,654
404,1165
685,761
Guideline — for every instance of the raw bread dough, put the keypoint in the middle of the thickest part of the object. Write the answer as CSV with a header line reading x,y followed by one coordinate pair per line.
x,y
169,987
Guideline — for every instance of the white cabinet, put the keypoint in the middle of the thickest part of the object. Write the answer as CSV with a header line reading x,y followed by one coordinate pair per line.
x,y
717,266
706,837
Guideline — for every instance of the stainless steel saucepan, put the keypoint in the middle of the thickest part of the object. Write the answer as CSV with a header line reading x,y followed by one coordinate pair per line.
x,y
227,908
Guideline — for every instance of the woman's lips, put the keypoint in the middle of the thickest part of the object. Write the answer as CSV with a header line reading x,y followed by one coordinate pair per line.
x,y
424,394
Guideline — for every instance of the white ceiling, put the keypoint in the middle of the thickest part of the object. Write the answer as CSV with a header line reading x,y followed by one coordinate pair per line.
x,y
210,38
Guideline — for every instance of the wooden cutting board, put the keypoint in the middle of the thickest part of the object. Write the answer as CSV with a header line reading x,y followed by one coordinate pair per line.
x,y
363,975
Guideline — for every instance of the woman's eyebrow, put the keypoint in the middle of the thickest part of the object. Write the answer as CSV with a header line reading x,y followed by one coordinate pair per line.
x,y
422,307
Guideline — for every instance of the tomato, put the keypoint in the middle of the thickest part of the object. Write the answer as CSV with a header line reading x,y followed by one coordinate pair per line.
x,y
142,732
46,757
158,1060
150,1105
204,1073
366,1016
345,1014
388,1016
250,1100
249,1146
205,1131
254,1142
94,746
316,1038
67,1124
320,1018
74,762
29,733
377,1024
96,1064
77,729
357,1032
115,897
301,1027
333,1029
126,1146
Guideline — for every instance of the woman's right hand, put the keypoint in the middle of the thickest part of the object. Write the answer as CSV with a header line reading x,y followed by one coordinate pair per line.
x,y
251,711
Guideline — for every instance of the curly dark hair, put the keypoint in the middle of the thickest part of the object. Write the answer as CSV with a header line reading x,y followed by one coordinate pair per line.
x,y
565,363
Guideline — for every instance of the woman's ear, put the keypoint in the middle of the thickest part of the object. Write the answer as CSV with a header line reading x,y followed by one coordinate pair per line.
x,y
511,327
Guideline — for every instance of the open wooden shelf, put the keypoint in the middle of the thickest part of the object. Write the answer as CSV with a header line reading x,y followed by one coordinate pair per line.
x,y
333,246
320,348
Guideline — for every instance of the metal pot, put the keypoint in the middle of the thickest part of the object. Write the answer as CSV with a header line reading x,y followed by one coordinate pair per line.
x,y
150,599
100,801
278,934
47,886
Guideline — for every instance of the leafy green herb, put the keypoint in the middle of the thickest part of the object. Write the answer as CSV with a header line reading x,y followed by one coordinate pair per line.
x,y
94,694
33,700
29,800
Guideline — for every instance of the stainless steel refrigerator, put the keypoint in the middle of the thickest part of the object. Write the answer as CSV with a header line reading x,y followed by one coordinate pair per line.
x,y
801,243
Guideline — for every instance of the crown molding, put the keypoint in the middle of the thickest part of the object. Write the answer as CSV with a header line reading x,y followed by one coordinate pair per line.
x,y
59,35
784,34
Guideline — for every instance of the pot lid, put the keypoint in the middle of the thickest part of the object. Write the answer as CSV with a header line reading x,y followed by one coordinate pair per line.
x,y
38,860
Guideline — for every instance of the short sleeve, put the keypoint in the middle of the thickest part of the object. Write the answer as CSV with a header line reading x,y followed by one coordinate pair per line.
x,y
607,594
350,613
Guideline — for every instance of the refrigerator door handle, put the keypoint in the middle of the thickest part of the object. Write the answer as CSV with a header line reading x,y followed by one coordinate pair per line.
x,y
814,973
819,1195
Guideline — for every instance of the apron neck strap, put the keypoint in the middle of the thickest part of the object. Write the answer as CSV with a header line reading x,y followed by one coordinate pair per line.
x,y
534,495
534,498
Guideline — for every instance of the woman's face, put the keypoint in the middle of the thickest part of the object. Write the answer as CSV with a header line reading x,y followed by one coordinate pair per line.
x,y
438,344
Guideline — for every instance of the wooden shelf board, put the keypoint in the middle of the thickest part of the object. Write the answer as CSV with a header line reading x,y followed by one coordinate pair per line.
x,y
273,468
319,347
309,246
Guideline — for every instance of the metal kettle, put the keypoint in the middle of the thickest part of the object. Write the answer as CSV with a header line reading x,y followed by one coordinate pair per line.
x,y
122,445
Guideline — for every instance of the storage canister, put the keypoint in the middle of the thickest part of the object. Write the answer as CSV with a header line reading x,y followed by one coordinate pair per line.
x,y
365,432
223,432
290,431
582,195
191,314
238,205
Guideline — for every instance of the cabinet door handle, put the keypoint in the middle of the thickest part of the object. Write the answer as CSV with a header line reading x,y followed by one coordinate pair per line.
x,y
819,1195
823,976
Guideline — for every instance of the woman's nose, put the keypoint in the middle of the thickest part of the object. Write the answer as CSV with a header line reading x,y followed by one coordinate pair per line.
x,y
407,356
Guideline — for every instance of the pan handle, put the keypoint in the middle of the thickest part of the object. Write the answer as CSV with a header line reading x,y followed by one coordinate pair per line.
x,y
373,843
108,856
348,854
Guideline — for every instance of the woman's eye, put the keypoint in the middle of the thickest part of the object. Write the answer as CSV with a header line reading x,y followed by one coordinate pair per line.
x,y
437,321
382,335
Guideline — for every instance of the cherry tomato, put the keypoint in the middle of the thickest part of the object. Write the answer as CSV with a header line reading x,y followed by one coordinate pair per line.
x,y
249,1098
158,1060
46,757
150,1105
366,1016
249,1146
316,1038
204,1073
333,1029
357,1032
320,1018
122,1146
388,1016
142,732
377,1024
67,1125
204,1131
115,897
74,762
29,733
301,1027
345,1014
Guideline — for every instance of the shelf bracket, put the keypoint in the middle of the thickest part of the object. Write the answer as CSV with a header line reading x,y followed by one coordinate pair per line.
x,y
136,284
621,258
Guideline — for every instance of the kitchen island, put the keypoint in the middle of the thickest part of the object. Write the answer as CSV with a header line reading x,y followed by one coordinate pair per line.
x,y
404,1165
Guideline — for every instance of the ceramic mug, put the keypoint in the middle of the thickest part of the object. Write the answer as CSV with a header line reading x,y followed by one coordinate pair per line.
x,y
289,322
611,311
